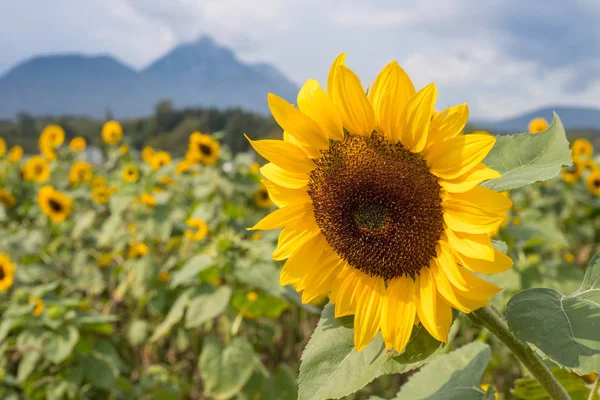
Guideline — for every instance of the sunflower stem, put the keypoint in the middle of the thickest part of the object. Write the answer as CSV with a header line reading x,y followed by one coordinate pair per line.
x,y
492,319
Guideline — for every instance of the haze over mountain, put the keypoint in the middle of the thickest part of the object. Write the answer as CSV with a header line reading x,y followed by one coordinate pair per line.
x,y
199,73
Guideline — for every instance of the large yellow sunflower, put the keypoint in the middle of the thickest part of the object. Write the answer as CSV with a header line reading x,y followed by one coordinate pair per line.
x,y
55,204
7,272
36,169
379,204
112,132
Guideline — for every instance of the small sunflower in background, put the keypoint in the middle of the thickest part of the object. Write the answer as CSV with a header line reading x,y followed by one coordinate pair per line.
x,y
123,149
166,180
137,250
203,149
198,229
590,165
593,182
254,168
569,257
7,272
81,172
55,204
147,154
102,194
53,136
537,125
379,204
160,159
261,197
130,173
15,154
581,148
148,200
183,166
77,144
98,182
7,199
39,307
569,174
36,169
104,260
112,132
164,276
2,147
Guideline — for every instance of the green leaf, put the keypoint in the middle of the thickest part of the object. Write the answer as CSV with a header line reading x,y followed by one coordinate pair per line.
x,y
27,365
564,328
206,305
453,376
332,368
174,315
99,372
59,345
137,332
225,369
524,158
530,389
190,270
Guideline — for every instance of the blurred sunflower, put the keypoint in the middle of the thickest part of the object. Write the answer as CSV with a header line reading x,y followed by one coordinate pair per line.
x,y
137,249
101,194
570,174
147,154
569,257
254,168
164,276
38,309
160,159
104,260
148,200
537,125
261,197
2,147
485,386
198,231
7,199
7,272
81,172
36,169
55,204
15,154
77,144
98,182
130,173
183,166
379,204
593,182
52,137
123,149
203,149
112,132
582,147
590,165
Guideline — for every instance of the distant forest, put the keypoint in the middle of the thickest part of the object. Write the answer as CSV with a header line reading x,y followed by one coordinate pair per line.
x,y
169,128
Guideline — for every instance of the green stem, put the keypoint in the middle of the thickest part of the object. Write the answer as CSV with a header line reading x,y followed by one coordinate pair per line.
x,y
491,318
594,392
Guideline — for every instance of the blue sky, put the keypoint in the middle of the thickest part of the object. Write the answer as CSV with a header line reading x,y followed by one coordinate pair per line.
x,y
502,57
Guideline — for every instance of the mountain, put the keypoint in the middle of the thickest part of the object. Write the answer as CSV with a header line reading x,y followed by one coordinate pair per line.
x,y
571,117
199,73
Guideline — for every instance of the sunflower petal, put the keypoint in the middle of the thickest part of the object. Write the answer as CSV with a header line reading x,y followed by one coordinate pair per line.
x,y
461,221
304,258
445,260
416,118
369,304
471,245
446,290
297,124
339,60
314,102
389,94
350,98
320,278
345,291
398,314
282,217
458,155
425,297
501,263
294,236
448,124
467,181
480,288
283,154
282,196
484,198
285,178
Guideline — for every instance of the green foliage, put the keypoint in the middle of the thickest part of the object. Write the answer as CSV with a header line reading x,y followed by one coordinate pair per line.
x,y
529,389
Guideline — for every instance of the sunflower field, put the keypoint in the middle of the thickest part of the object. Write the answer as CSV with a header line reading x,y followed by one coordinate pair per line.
x,y
377,251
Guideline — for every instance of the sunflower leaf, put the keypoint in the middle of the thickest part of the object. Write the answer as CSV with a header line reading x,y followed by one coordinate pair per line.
x,y
529,389
563,328
452,376
332,368
523,159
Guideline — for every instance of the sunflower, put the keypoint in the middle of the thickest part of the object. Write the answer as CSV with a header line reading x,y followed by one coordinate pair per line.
x,y
38,309
130,173
80,171
485,386
198,231
261,197
166,180
123,149
104,260
569,257
15,154
164,276
148,200
537,125
183,166
2,147
101,194
593,182
254,168
47,151
56,205
77,144
380,206
590,165
98,182
582,147
53,136
36,169
7,272
203,149
147,154
7,199
160,159
137,249
112,132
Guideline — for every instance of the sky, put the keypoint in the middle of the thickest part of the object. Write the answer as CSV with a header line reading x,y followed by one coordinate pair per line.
x,y
502,57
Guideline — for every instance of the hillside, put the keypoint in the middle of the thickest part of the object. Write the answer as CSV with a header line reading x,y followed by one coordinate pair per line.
x,y
571,117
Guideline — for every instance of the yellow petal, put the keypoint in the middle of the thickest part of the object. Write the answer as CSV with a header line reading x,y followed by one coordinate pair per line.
x,y
350,99
345,290
481,289
398,314
295,235
314,102
320,278
471,245
339,60
447,263
416,119
501,263
282,196
483,198
458,155
389,95
297,124
304,258
446,290
310,151
285,178
283,154
425,297
369,305
461,221
282,217
444,317
467,181
448,124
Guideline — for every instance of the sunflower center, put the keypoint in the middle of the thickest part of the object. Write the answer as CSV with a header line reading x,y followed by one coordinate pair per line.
x,y
263,195
377,205
2,274
596,183
55,205
205,149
